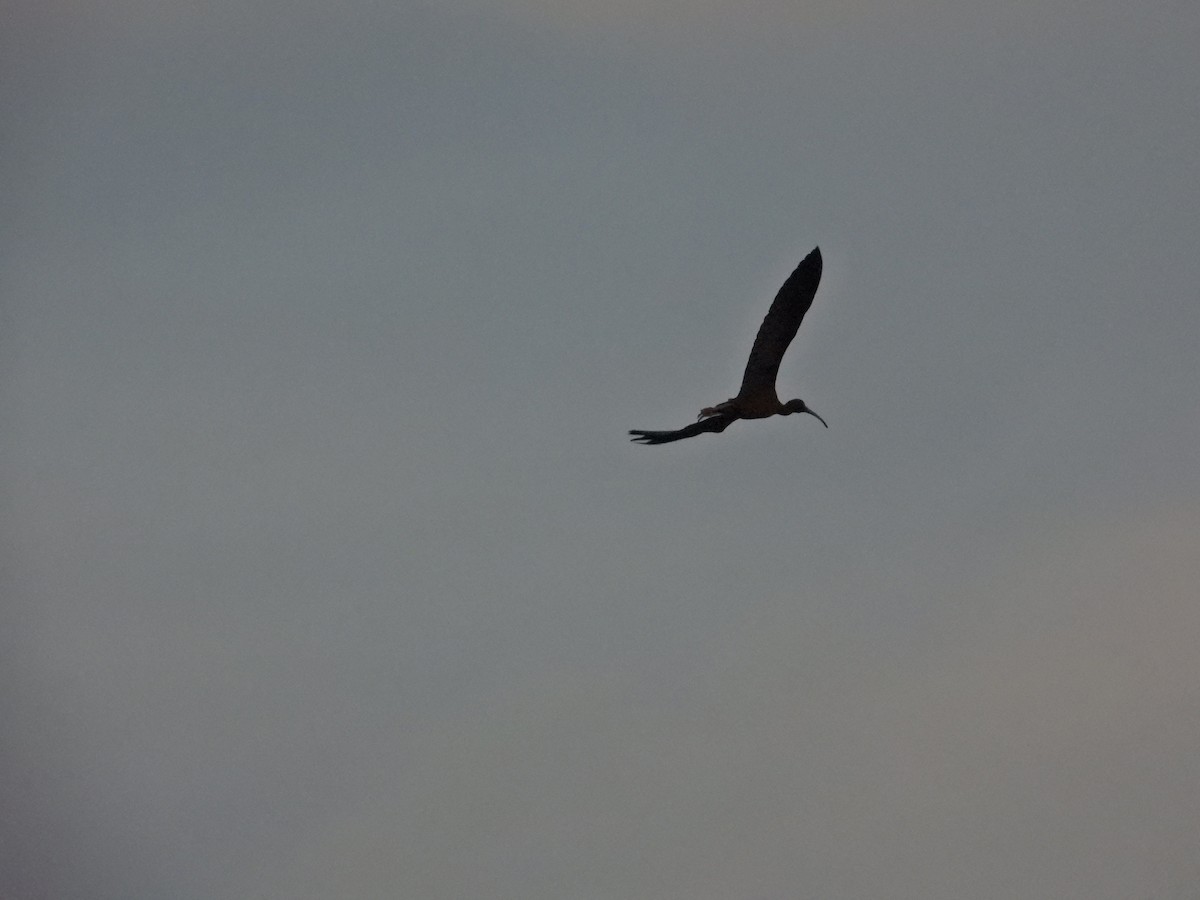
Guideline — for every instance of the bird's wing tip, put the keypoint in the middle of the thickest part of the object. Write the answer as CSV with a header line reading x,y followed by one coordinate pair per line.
x,y
813,260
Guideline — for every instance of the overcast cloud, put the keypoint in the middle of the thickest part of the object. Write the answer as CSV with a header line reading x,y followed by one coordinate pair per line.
x,y
329,570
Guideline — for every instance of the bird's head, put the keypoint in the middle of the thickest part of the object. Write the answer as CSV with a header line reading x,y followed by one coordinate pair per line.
x,y
797,406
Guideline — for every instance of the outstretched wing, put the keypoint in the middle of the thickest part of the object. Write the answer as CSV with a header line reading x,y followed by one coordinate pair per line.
x,y
715,424
780,326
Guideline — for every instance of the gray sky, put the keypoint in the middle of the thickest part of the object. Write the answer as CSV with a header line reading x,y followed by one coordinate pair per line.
x,y
330,571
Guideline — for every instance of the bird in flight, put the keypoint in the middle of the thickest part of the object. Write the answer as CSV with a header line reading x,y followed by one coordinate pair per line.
x,y
757,398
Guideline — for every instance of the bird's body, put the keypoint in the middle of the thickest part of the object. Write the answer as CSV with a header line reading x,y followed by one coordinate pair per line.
x,y
757,398
756,406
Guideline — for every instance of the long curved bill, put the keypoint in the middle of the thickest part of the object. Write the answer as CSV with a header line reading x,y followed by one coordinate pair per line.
x,y
822,421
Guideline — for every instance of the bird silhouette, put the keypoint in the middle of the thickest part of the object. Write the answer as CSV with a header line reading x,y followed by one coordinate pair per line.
x,y
757,398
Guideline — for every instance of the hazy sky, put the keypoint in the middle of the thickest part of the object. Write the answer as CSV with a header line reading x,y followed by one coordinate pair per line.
x,y
329,571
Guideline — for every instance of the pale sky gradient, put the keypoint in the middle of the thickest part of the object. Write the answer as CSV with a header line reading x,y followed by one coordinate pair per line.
x,y
329,569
